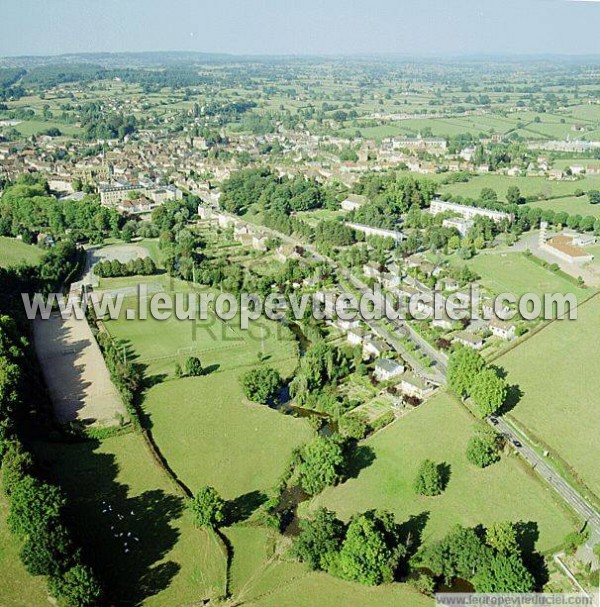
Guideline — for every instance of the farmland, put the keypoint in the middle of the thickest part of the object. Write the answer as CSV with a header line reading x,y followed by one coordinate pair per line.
x,y
555,371
529,186
439,430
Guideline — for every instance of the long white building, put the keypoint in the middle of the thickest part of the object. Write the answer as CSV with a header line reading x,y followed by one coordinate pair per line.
x,y
466,211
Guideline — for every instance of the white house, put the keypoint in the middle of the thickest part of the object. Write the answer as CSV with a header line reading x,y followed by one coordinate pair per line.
x,y
502,329
373,269
353,202
386,369
355,336
373,348
415,386
468,339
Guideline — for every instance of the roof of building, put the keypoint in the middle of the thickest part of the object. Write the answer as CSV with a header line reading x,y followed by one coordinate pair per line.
x,y
415,380
564,245
390,366
356,198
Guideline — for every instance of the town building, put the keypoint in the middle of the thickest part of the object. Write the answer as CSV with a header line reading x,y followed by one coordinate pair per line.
x,y
386,369
467,212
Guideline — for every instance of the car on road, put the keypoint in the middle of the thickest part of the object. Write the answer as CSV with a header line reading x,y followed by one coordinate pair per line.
x,y
494,421
517,443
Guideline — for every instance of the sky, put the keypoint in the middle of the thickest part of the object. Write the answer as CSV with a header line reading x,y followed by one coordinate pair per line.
x,y
302,27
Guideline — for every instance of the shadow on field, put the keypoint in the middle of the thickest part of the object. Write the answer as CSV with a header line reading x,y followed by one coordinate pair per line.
x,y
242,507
411,531
513,397
122,537
358,457
445,472
528,534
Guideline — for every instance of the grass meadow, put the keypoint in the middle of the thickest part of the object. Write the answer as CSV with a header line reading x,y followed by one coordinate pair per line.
x,y
14,252
204,426
173,563
514,273
557,372
439,430
529,186
13,575
261,579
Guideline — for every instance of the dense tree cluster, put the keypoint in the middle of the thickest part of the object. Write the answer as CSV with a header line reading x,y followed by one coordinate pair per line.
x,y
468,375
26,209
36,509
367,550
97,123
115,268
390,195
262,385
492,560
263,188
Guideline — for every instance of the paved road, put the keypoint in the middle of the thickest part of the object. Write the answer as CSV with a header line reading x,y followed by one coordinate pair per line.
x,y
585,510
437,373
569,494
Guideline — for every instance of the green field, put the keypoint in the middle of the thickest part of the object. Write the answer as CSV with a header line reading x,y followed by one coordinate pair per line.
x,y
174,563
261,579
204,426
222,346
210,435
14,252
13,576
529,186
37,127
573,205
557,371
439,430
514,273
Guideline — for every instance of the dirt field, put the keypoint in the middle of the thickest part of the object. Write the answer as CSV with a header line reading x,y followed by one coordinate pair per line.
x,y
75,372
122,253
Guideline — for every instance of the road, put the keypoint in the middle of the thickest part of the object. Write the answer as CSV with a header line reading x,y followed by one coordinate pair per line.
x,y
436,373
585,510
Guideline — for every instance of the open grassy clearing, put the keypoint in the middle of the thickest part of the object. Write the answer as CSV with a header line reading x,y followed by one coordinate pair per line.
x,y
439,430
203,426
209,434
14,252
221,345
574,205
13,575
173,563
261,579
314,217
36,127
557,371
529,186
514,273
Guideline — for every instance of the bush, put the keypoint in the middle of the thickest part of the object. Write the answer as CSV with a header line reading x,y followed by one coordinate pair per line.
x,y
424,583
193,367
77,588
353,426
482,450
208,507
262,385
429,479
